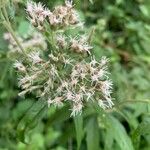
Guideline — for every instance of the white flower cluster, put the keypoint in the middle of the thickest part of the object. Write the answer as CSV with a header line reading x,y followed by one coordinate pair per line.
x,y
34,41
78,44
83,82
61,16
65,75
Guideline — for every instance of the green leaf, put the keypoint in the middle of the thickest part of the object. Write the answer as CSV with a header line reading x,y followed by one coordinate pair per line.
x,y
120,134
78,120
23,28
108,140
30,119
144,10
142,129
91,1
11,10
60,115
68,133
92,134
128,116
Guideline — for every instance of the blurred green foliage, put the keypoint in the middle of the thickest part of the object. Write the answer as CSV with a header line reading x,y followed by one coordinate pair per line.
x,y
122,32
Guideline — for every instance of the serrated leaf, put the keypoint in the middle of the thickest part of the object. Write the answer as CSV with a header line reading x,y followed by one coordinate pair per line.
x,y
120,134
78,120
92,134
30,119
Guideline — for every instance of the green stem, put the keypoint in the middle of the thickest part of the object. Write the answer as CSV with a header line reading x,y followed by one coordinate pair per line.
x,y
48,40
91,35
6,15
10,30
7,25
52,37
53,43
51,40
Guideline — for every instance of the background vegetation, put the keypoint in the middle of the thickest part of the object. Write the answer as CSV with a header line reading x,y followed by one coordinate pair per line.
x,y
122,33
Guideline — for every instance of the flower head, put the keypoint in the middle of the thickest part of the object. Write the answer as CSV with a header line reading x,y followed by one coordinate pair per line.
x,y
77,108
19,66
69,3
35,57
67,72
80,45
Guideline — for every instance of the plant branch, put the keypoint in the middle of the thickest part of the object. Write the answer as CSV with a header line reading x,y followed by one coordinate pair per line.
x,y
7,25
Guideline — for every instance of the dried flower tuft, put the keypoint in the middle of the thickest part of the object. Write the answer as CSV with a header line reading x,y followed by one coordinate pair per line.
x,y
62,16
62,74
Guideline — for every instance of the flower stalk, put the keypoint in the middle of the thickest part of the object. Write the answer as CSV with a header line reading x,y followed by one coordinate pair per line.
x,y
7,25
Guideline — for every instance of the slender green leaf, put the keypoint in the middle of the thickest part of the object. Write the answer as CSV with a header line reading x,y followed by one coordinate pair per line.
x,y
108,140
78,120
128,117
92,134
120,134
59,116
30,119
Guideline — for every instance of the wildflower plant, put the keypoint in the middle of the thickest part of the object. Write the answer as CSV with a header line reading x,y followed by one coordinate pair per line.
x,y
57,64
58,67
67,71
